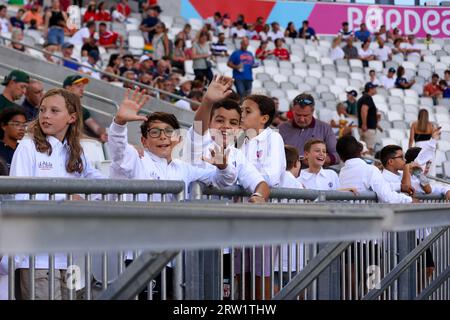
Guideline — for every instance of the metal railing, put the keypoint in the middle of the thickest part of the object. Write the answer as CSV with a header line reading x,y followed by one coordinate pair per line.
x,y
309,269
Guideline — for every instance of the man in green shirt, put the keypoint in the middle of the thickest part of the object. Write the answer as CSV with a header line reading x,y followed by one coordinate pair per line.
x,y
76,85
351,103
16,84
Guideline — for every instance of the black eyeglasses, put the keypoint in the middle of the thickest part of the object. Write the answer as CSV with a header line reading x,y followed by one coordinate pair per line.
x,y
303,101
156,132
399,157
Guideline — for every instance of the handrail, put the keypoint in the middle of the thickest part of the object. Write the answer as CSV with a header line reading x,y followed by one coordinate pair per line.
x,y
139,84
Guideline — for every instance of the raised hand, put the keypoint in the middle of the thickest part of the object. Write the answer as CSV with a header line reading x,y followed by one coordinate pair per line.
x,y
130,106
219,88
219,158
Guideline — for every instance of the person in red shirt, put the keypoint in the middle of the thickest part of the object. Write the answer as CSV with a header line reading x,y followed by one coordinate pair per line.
x,y
124,8
89,15
259,25
108,39
280,52
102,14
262,52
432,89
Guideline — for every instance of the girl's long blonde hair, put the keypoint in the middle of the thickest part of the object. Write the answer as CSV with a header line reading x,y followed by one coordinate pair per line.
x,y
422,120
73,134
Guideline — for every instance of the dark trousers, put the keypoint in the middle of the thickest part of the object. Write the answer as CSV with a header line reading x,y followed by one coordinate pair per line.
x,y
243,87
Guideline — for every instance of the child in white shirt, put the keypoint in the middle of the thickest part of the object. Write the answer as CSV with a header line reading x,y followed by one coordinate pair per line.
x,y
293,166
316,177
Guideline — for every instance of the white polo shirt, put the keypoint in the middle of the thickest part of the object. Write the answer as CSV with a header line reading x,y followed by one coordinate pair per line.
x,y
275,35
382,54
266,153
395,180
388,83
289,181
78,38
196,146
325,179
357,174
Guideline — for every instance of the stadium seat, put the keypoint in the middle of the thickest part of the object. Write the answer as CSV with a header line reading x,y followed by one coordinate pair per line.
x,y
388,141
445,59
393,115
397,108
426,102
278,93
376,65
397,134
400,124
446,169
411,100
93,150
278,78
410,117
270,85
430,59
336,90
411,93
328,96
287,85
296,79
312,81
291,94
395,92
283,105
315,73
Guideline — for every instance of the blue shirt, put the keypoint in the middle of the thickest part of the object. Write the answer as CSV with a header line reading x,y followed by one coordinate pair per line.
x,y
362,35
71,65
399,81
309,33
150,22
247,59
446,93
16,23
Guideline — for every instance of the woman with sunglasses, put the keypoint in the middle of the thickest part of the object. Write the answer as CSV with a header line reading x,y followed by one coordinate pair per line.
x,y
12,129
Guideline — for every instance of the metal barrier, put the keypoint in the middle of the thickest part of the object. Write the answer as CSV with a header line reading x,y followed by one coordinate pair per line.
x,y
304,270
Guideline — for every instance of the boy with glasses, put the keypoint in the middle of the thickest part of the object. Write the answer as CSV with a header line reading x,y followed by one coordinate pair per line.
x,y
13,123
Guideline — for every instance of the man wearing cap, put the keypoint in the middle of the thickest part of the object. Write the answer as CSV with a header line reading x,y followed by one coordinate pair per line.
x,y
146,64
367,116
69,62
149,24
76,85
388,81
351,102
93,57
16,84
304,126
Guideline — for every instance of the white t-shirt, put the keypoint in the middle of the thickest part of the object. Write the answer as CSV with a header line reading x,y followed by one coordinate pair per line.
x,y
337,118
183,104
264,36
375,81
289,181
275,35
4,24
365,53
407,45
325,179
336,53
388,83
382,54
239,33
79,36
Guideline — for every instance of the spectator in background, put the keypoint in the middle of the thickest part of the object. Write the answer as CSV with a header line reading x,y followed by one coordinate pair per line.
x,y
33,96
262,52
293,166
108,39
16,40
116,16
401,82
350,51
421,130
291,32
238,31
306,32
365,54
124,8
445,89
280,52
69,61
373,78
89,15
388,81
83,35
102,14
225,28
128,64
351,103
145,65
112,67
345,33
90,45
279,117
275,33
55,21
132,76
90,64
367,116
396,34
185,34
5,24
34,14
195,96
432,89
382,34
382,53
16,22
397,49
411,47
340,122
304,127
242,61
336,51
428,40
259,24
163,68
363,34
160,42
150,22
219,49
16,83
179,55
447,76
13,123
49,50
264,34
251,33
185,88
200,55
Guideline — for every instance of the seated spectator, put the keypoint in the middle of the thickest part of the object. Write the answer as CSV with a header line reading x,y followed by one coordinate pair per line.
x,y
33,96
350,51
185,34
382,53
447,76
396,34
275,33
238,31
124,8
225,28
363,34
149,24
397,49
33,25
90,64
13,123
128,64
365,54
280,52
145,78
102,14
345,33
336,51
340,122
428,40
259,24
132,76
289,178
351,103
34,14
113,67
444,88
89,15
373,78
83,35
291,32
67,52
262,52
184,88
146,65
220,49
388,81
16,22
116,16
306,32
108,39
163,69
251,33
411,47
5,24
401,82
432,89
16,83
264,34
49,50
16,40
90,45
382,33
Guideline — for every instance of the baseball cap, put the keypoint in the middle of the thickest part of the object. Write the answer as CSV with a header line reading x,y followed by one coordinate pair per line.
x,y
144,58
156,8
67,45
351,92
391,69
369,85
17,76
74,79
94,54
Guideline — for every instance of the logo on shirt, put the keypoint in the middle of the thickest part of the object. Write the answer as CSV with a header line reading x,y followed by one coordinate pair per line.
x,y
45,165
259,153
154,176
330,185
234,164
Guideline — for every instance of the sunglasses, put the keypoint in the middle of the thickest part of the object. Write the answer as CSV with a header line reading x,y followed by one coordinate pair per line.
x,y
303,101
